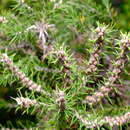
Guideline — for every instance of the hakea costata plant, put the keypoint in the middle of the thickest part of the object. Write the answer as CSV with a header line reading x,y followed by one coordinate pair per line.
x,y
67,101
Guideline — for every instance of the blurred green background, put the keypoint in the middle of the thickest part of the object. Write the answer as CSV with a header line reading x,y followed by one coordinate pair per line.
x,y
122,8
123,16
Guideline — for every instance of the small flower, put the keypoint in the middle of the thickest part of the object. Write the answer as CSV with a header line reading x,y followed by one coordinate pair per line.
x,y
101,31
125,38
21,1
3,19
61,100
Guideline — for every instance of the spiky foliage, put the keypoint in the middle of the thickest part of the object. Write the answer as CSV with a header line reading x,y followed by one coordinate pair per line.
x,y
65,69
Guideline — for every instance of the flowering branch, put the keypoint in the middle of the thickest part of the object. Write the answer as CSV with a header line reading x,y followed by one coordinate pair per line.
x,y
117,120
66,65
117,69
94,58
25,80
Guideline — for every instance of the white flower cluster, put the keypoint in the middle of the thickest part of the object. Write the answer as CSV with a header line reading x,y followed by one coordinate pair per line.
x,y
3,19
61,100
25,102
101,31
125,38
118,120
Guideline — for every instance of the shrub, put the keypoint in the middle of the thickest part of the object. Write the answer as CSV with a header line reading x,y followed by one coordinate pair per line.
x,y
65,65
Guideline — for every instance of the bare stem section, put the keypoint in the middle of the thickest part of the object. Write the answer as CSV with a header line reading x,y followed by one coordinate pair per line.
x,y
25,80
111,121
113,76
